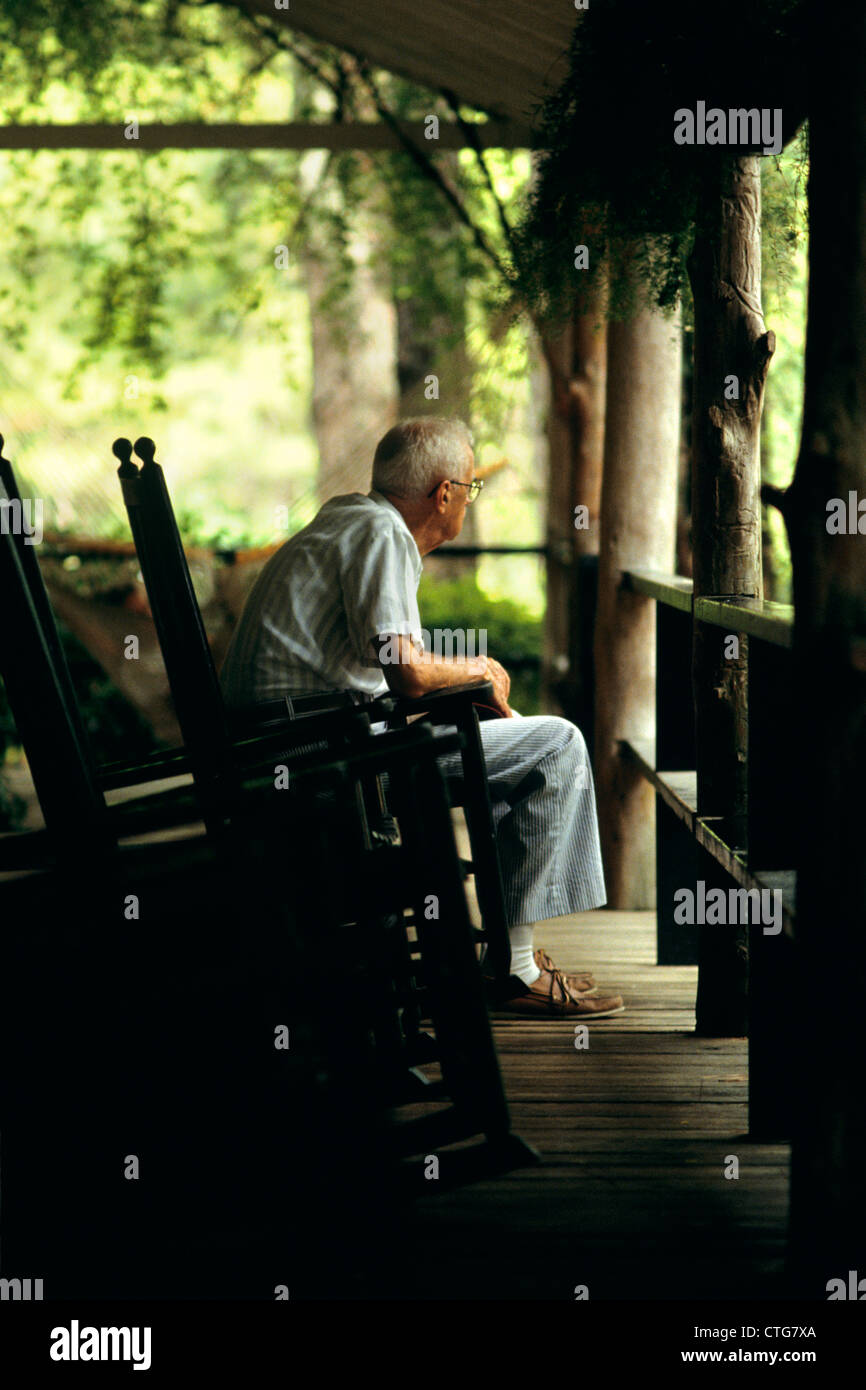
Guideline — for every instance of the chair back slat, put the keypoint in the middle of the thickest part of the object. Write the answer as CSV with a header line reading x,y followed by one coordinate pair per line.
x,y
47,719
186,652
32,572
45,613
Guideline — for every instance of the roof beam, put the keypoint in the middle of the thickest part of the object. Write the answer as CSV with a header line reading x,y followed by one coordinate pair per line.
x,y
289,135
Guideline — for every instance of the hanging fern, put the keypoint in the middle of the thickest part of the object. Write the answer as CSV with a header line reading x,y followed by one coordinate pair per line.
x,y
612,176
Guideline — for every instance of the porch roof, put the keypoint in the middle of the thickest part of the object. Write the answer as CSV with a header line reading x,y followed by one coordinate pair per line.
x,y
498,58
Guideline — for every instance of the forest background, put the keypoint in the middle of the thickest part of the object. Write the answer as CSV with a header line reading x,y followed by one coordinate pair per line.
x,y
265,315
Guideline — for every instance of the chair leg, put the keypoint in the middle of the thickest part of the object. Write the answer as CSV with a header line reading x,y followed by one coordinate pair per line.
x,y
473,1163
478,811
469,1063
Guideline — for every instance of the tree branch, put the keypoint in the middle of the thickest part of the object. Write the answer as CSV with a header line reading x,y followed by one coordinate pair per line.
x,y
341,87
470,134
776,497
566,401
276,36
427,167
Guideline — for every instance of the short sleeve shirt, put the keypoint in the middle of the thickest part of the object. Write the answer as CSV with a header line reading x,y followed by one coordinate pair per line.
x,y
348,578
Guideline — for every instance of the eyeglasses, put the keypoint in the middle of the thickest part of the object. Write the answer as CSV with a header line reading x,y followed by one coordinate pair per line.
x,y
474,487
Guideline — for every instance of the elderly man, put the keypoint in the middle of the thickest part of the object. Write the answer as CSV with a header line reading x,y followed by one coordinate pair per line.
x,y
336,609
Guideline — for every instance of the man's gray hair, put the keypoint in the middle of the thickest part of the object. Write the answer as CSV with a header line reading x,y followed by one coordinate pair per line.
x,y
417,454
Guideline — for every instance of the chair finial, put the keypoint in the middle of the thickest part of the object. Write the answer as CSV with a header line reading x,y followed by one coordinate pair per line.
x,y
122,450
145,448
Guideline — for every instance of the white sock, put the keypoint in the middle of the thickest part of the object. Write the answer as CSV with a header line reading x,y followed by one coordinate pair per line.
x,y
522,963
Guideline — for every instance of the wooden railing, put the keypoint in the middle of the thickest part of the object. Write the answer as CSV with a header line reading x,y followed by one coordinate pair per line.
x,y
751,852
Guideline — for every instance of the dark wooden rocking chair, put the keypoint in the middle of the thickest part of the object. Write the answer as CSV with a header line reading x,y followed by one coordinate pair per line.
x,y
205,727
44,698
132,1038
204,721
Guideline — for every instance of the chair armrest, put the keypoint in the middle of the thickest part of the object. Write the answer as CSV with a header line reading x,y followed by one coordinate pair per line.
x,y
443,706
254,721
336,728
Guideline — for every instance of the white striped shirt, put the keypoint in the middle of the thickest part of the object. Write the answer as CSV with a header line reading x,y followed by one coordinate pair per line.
x,y
308,622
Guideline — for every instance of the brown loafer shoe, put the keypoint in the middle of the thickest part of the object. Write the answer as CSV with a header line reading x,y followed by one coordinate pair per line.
x,y
551,997
579,981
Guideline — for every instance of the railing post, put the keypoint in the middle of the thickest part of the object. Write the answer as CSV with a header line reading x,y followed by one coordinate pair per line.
x,y
773,766
772,762
676,944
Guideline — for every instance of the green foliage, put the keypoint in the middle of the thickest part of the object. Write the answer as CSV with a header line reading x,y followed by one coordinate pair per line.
x,y
158,269
97,50
231,531
785,278
115,727
513,633
152,253
12,807
613,177
169,250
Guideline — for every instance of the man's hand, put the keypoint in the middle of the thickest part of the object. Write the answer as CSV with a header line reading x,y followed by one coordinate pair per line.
x,y
501,687
415,674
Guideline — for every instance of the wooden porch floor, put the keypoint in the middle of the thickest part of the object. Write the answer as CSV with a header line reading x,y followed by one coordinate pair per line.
x,y
635,1133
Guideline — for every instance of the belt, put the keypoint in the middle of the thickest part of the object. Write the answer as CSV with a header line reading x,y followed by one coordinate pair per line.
x,y
299,706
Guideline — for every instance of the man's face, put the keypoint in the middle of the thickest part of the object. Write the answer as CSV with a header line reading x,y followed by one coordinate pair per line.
x,y
460,498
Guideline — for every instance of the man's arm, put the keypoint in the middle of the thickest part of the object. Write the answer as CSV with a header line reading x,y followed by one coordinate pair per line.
x,y
413,674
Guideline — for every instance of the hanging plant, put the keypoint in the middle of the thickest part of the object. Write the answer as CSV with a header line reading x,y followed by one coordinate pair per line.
x,y
619,175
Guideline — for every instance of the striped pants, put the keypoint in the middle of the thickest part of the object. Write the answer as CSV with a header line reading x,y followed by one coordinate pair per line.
x,y
544,812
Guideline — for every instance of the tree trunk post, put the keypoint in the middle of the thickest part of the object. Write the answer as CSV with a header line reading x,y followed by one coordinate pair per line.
x,y
577,362
732,356
354,368
638,525
435,372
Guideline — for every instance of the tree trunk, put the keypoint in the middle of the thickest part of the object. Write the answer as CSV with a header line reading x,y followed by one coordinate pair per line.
x,y
732,355
638,522
577,363
354,371
437,349
828,1204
